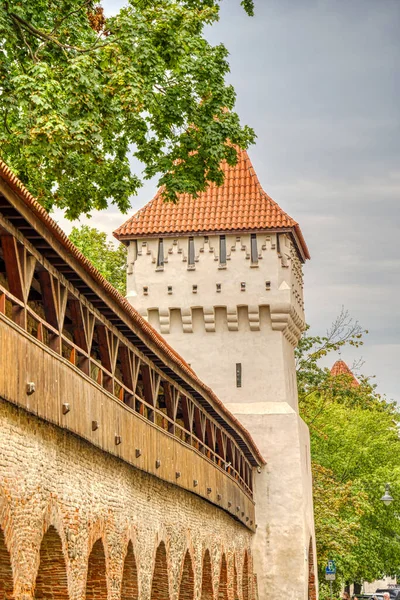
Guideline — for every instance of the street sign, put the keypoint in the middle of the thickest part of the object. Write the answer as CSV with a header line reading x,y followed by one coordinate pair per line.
x,y
330,571
330,574
331,567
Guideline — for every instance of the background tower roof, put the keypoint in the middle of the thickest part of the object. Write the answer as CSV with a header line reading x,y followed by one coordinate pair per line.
x,y
340,368
240,204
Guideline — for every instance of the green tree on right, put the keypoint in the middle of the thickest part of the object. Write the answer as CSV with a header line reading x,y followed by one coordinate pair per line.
x,y
355,450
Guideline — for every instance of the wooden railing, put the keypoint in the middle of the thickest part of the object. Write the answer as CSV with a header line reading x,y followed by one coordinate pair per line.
x,y
72,327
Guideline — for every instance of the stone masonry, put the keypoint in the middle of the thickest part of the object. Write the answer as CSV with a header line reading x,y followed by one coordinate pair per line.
x,y
78,523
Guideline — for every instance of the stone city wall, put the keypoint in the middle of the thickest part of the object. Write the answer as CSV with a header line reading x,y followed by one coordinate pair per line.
x,y
78,523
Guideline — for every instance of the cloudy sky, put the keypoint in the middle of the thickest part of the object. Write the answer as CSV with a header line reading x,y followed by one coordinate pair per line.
x,y
319,80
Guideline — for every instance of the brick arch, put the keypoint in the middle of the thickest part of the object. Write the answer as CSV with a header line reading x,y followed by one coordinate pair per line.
x,y
223,580
51,579
96,581
159,584
6,575
235,582
245,577
312,592
207,589
186,587
129,589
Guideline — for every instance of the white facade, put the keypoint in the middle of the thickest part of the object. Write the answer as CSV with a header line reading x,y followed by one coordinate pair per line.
x,y
234,310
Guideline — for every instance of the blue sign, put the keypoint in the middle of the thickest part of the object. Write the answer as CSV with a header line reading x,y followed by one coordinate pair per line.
x,y
331,568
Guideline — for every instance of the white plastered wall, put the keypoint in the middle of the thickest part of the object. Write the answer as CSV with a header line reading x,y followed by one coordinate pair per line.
x,y
252,315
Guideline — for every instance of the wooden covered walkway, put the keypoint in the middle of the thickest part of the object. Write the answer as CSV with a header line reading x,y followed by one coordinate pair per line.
x,y
76,355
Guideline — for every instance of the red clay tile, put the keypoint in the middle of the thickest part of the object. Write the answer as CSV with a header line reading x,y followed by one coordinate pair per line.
x,y
240,204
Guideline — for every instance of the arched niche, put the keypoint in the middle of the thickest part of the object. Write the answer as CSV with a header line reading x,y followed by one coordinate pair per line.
x,y
129,589
159,584
96,582
186,587
245,578
223,580
207,591
51,579
235,582
6,576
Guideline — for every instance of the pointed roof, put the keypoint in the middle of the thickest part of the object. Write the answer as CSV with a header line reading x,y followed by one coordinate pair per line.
x,y
340,368
240,204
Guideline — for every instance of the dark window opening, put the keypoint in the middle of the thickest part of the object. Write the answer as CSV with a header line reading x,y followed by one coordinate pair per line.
x,y
160,255
238,375
191,252
278,243
253,247
222,250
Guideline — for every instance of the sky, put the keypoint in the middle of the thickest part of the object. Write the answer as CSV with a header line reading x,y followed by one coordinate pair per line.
x,y
319,81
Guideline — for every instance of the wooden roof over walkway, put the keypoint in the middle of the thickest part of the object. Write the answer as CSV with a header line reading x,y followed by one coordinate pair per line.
x,y
26,214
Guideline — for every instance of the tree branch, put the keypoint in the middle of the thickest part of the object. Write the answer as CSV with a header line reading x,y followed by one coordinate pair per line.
x,y
68,15
21,31
45,36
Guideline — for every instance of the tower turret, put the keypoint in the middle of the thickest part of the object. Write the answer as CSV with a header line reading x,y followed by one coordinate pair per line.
x,y
220,276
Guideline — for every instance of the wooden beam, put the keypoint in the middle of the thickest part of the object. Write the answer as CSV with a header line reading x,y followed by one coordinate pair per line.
x,y
187,412
147,387
170,403
78,326
126,360
13,268
199,423
48,297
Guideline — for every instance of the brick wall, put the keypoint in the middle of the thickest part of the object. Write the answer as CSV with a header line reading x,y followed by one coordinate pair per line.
x,y
129,589
75,518
96,583
51,580
312,592
207,592
6,579
223,581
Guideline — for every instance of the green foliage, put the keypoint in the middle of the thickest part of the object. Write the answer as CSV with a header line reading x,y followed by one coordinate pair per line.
x,y
81,92
105,256
355,450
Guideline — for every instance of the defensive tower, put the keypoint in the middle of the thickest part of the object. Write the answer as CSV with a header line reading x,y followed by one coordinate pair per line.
x,y
220,276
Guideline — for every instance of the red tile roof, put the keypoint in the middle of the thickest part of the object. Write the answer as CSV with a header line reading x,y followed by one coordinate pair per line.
x,y
118,303
340,368
240,204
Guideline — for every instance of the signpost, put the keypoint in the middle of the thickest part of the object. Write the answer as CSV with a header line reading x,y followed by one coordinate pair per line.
x,y
330,573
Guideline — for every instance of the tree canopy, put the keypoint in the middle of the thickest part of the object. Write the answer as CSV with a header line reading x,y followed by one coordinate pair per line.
x,y
109,259
355,450
82,93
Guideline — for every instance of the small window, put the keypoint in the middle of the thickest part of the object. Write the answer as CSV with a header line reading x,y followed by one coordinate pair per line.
x,y
222,250
191,252
253,247
238,375
160,255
